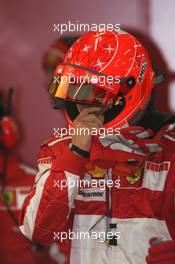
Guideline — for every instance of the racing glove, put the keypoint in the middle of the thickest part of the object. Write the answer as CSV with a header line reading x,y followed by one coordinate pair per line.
x,y
161,252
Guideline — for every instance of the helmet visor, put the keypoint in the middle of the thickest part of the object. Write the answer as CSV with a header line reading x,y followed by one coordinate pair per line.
x,y
80,92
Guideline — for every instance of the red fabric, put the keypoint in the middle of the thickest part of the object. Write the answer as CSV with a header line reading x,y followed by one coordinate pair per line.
x,y
56,206
163,253
14,247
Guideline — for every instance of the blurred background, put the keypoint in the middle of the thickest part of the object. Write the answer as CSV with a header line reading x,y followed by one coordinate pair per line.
x,y
27,32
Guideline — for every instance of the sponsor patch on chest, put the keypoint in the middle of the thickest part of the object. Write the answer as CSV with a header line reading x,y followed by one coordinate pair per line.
x,y
91,194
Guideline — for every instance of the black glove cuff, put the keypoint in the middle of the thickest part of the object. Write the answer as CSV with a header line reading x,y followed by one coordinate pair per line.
x,y
80,151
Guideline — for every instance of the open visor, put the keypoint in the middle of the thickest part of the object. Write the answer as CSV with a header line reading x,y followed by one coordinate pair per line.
x,y
71,90
82,87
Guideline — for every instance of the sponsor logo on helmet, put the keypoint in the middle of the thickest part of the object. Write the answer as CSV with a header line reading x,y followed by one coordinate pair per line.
x,y
142,72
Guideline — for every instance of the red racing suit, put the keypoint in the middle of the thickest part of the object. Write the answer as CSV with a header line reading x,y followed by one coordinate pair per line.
x,y
15,184
110,222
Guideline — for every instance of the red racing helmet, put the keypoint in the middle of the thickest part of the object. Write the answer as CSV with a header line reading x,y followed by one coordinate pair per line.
x,y
109,69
